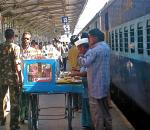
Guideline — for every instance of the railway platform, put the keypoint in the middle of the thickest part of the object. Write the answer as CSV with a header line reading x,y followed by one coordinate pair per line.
x,y
54,104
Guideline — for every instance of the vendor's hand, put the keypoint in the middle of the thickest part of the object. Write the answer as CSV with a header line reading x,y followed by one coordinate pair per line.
x,y
71,74
75,69
20,83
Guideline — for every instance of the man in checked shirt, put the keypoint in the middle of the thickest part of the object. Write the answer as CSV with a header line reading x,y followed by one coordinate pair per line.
x,y
96,60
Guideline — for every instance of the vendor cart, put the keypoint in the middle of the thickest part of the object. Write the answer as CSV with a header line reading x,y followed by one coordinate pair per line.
x,y
40,77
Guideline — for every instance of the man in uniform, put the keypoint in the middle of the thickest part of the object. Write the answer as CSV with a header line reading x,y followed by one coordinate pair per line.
x,y
10,77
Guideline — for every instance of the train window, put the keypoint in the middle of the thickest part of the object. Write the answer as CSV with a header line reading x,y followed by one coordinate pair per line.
x,y
116,39
132,38
120,39
126,39
96,26
112,38
148,37
106,21
140,38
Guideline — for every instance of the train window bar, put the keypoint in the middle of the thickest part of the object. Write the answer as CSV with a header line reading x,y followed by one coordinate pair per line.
x,y
148,37
140,38
112,40
116,39
126,39
121,39
132,39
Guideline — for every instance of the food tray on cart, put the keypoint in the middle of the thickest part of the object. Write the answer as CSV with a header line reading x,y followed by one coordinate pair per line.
x,y
68,81
69,84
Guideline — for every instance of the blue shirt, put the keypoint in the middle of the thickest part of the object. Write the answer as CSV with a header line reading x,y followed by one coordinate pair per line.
x,y
97,62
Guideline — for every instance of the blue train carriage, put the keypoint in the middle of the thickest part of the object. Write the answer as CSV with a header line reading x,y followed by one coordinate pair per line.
x,y
39,75
126,24
94,23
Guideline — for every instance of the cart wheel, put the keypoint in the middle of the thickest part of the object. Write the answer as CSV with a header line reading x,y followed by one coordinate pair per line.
x,y
69,112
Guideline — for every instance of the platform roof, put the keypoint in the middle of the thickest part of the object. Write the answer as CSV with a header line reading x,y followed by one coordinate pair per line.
x,y
43,15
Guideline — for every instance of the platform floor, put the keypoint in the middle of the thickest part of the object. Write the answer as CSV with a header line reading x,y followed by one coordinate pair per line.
x,y
57,104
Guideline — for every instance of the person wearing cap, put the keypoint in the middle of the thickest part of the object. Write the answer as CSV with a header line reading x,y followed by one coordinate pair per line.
x,y
97,61
73,54
87,124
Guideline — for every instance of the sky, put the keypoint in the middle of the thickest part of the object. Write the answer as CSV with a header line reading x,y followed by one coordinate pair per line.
x,y
92,7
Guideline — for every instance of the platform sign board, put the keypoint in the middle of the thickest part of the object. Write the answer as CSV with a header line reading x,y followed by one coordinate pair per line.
x,y
66,27
64,19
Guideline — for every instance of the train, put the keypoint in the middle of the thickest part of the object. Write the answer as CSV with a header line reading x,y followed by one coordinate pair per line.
x,y
126,24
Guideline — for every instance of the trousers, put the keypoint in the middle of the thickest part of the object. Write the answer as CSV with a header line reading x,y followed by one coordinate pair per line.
x,y
100,113
24,105
14,103
86,115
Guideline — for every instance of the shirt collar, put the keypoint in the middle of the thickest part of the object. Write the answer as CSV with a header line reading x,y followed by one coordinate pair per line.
x,y
96,44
